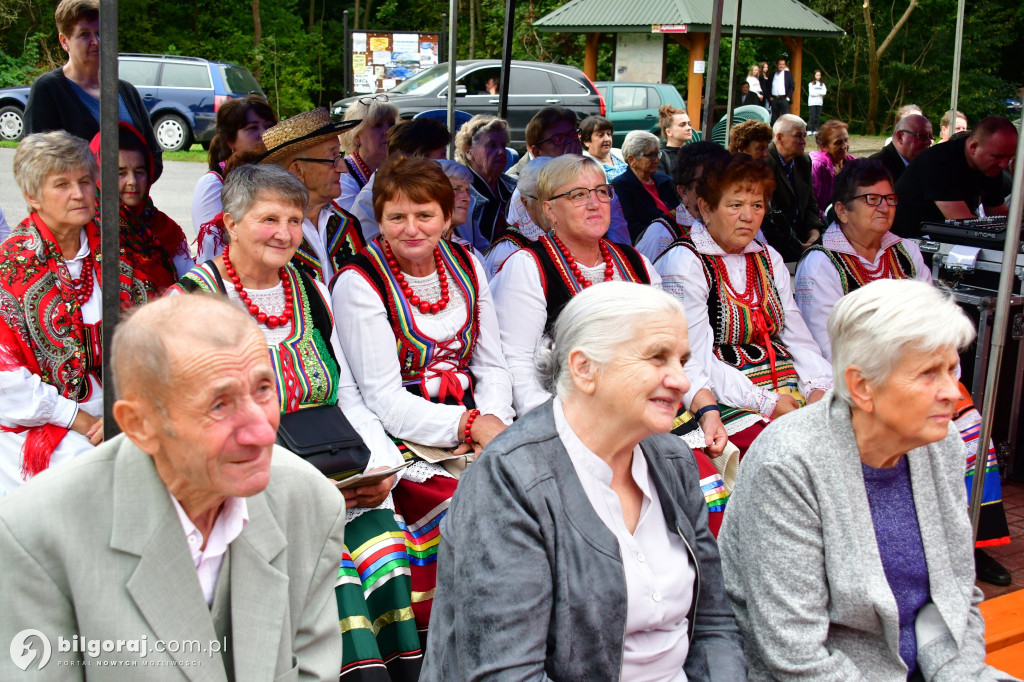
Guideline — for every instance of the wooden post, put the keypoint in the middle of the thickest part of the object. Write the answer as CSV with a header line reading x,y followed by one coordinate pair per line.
x,y
796,66
695,81
590,56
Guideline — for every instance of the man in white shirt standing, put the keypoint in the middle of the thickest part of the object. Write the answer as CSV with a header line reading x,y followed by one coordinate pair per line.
x,y
186,542
782,91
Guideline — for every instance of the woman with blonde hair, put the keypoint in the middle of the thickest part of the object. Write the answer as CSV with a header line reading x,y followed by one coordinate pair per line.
x,y
755,83
365,145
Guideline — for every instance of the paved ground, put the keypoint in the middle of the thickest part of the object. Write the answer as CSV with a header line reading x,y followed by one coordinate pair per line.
x,y
172,194
1012,555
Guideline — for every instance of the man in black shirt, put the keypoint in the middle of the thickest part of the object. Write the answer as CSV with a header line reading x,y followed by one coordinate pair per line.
x,y
952,180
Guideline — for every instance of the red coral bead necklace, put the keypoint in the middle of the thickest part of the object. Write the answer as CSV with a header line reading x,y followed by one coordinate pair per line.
x,y
271,321
425,307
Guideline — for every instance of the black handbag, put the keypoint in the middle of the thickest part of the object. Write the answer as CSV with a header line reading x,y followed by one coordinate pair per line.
x,y
322,436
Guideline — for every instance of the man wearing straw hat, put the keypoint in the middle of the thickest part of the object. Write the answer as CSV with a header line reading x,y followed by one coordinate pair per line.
x,y
307,146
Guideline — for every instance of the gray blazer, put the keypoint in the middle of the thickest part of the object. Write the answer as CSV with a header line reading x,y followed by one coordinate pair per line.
x,y
802,566
530,583
94,548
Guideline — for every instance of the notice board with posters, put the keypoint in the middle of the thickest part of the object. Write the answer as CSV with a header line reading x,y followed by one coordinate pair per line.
x,y
383,59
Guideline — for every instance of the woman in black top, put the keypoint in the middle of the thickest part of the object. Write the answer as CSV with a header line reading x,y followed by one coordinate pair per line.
x,y
68,98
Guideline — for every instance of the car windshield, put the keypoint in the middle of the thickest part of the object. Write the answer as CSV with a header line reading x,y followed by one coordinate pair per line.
x,y
239,81
424,82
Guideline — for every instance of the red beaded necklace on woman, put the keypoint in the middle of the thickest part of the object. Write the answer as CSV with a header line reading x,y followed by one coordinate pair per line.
x,y
425,307
272,321
606,254
83,283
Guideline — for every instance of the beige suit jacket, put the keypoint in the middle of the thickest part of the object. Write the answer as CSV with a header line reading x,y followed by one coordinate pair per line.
x,y
94,548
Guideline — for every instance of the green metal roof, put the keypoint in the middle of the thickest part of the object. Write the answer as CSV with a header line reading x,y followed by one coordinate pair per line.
x,y
760,17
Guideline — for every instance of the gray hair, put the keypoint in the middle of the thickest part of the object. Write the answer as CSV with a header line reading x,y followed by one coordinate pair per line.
x,y
876,325
455,170
528,177
370,114
786,123
637,143
42,154
563,170
471,132
598,321
247,184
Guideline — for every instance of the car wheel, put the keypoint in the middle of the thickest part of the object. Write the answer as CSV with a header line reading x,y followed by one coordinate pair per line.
x,y
172,133
12,123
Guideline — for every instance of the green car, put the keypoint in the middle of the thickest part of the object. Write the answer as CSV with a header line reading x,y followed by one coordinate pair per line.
x,y
634,106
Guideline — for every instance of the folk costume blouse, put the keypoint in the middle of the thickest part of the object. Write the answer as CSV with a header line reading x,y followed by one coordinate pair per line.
x,y
522,296
206,210
328,245
404,360
50,352
684,275
828,272
662,232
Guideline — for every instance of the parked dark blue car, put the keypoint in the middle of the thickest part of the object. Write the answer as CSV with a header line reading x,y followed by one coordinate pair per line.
x,y
182,95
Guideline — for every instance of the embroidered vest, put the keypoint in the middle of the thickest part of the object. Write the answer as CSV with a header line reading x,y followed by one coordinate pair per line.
x,y
304,363
560,285
513,236
344,240
674,228
417,351
895,263
740,328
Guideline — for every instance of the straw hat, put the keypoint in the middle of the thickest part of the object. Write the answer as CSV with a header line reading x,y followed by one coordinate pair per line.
x,y
300,132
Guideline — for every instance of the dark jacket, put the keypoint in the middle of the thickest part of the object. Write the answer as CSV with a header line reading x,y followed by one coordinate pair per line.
x,y
892,160
548,601
638,207
787,77
795,201
53,105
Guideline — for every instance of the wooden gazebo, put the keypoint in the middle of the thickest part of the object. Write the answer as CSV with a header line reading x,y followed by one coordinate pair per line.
x,y
688,22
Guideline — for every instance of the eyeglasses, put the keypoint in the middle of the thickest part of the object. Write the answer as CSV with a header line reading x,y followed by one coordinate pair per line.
x,y
367,101
651,156
920,136
338,162
561,139
580,196
876,199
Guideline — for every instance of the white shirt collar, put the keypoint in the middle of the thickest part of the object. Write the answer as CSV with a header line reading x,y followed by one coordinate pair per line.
x,y
709,247
233,517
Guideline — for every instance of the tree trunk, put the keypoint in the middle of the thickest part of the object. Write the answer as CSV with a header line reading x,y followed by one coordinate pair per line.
x,y
257,34
875,57
366,15
472,29
312,14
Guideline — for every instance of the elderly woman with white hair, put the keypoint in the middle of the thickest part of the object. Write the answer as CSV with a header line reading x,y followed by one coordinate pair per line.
x,y
480,144
847,547
462,229
366,145
531,222
600,508
51,392
644,193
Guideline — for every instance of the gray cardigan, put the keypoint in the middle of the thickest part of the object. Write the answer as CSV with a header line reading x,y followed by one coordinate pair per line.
x,y
530,583
802,566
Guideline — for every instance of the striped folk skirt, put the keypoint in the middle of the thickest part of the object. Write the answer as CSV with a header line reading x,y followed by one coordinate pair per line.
x,y
992,528
378,631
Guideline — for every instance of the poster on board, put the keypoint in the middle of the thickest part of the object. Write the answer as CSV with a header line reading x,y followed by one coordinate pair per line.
x,y
383,59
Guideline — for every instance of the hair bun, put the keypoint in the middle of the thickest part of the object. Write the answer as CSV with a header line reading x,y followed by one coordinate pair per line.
x,y
546,363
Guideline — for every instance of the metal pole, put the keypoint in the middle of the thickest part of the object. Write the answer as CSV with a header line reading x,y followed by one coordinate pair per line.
x,y
711,73
955,90
110,242
999,325
453,43
506,58
732,71
345,80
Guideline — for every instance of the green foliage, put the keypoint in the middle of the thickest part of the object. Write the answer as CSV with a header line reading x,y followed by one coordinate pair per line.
x,y
300,58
